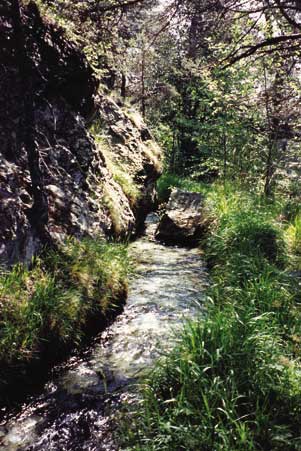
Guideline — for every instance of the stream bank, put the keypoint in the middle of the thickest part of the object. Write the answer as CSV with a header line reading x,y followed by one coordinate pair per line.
x,y
76,408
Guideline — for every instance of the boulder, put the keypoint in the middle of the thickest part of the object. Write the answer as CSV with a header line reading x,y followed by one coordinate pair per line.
x,y
92,187
184,221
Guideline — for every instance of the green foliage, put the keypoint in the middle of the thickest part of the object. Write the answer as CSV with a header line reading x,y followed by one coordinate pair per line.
x,y
210,127
293,235
291,209
164,134
168,181
128,186
53,301
232,381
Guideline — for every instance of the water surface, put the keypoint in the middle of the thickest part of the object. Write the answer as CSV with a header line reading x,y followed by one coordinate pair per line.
x,y
76,410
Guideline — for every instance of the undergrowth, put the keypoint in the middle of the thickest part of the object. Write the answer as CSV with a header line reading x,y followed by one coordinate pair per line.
x,y
233,380
52,303
168,181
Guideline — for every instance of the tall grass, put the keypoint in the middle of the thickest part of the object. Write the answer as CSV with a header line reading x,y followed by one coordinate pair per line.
x,y
233,380
51,304
293,234
168,181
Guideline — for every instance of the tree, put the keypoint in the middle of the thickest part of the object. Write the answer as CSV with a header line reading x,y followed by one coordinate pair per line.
x,y
217,81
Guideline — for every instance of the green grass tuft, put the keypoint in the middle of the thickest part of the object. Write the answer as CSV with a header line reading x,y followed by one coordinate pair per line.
x,y
293,235
168,181
52,302
233,380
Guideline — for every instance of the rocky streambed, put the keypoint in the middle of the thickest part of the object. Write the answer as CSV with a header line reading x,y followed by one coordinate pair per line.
x,y
77,409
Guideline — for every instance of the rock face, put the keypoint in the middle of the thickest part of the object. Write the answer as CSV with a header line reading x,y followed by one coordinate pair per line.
x,y
184,220
90,187
134,153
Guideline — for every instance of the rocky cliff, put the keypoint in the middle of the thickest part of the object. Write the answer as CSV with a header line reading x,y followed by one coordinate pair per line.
x,y
56,177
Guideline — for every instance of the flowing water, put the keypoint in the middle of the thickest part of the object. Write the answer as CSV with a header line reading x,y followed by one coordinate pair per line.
x,y
76,410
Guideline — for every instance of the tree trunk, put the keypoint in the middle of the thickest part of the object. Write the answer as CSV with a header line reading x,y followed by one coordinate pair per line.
x,y
143,106
269,170
225,153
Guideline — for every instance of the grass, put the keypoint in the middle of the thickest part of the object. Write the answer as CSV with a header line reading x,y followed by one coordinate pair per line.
x,y
152,155
111,199
111,202
118,171
293,234
233,380
127,185
168,181
52,303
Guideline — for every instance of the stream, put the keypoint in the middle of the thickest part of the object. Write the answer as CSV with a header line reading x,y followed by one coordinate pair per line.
x,y
76,410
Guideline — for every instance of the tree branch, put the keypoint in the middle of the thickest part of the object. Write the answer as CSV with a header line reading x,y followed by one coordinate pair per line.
x,y
119,5
266,43
287,17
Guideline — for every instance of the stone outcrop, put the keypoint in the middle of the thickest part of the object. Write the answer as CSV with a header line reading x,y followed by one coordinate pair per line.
x,y
184,220
81,178
133,152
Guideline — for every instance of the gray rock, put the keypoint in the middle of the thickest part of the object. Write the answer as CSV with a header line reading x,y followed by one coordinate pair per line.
x,y
184,221
84,195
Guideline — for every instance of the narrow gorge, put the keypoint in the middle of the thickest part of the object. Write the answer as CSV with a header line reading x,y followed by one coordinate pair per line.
x,y
150,225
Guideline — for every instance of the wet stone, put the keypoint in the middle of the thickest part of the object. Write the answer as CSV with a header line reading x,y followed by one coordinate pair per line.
x,y
184,220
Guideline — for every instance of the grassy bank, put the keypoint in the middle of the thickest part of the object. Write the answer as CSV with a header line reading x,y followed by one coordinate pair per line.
x,y
168,181
233,380
46,309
